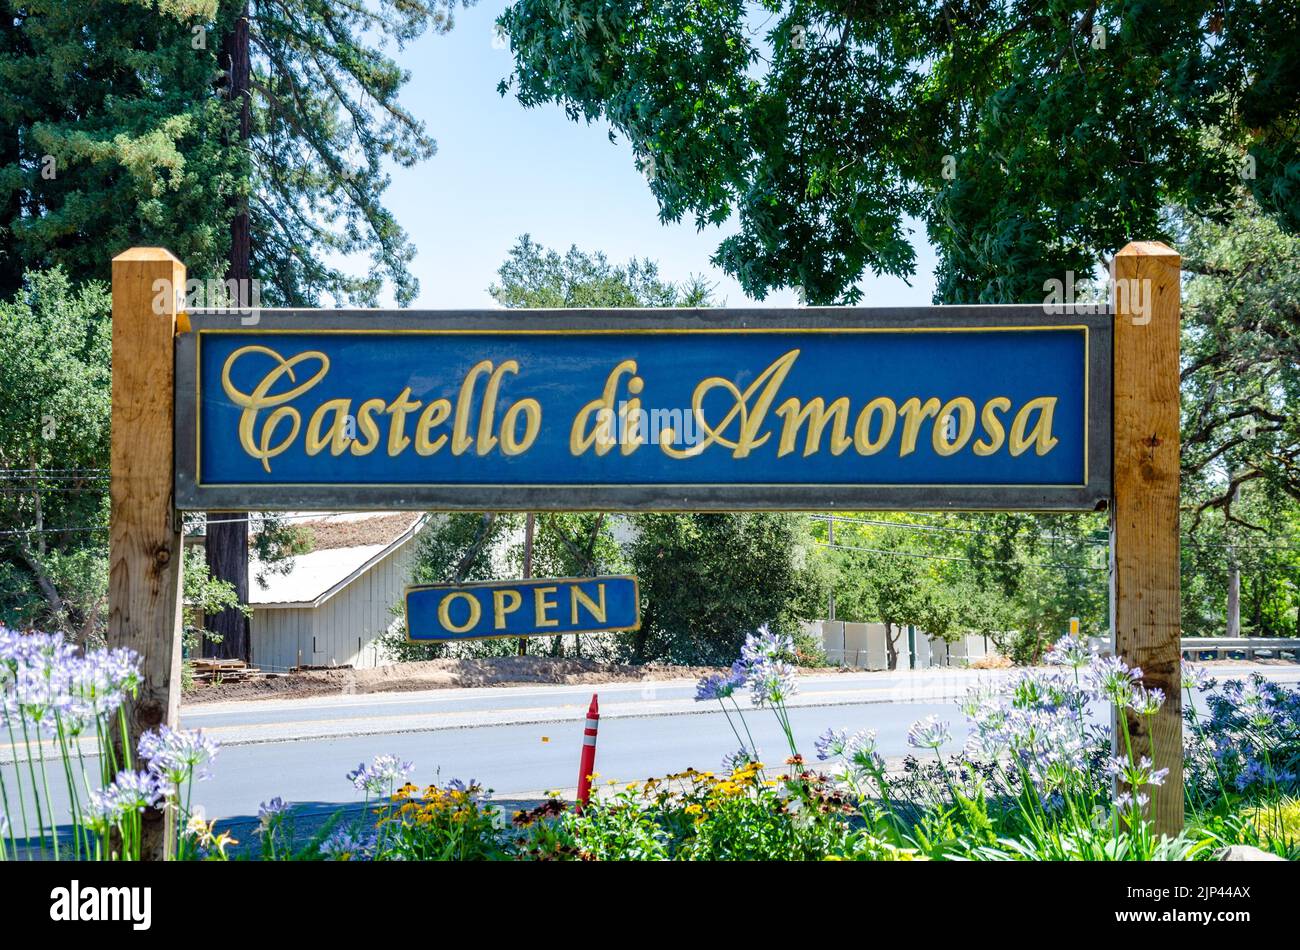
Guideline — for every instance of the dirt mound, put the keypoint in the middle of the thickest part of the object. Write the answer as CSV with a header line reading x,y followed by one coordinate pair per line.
x,y
437,674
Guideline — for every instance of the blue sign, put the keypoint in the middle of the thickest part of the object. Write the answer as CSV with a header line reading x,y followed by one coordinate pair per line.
x,y
519,413
542,607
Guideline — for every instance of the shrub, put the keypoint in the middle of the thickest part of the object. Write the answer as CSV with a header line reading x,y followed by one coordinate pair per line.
x,y
452,822
1249,743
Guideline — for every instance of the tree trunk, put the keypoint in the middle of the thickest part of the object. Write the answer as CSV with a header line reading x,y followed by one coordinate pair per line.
x,y
235,56
11,210
891,644
227,556
227,544
1234,598
44,582
530,526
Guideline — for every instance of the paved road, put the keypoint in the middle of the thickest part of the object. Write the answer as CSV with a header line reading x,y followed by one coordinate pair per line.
x,y
522,741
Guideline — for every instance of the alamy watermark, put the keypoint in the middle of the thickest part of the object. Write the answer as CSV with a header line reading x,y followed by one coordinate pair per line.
x,y
225,296
1131,295
76,903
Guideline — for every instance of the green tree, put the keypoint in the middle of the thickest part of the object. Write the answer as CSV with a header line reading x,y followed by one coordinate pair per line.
x,y
111,135
55,416
117,128
1241,422
1014,578
707,580
326,124
203,595
1261,545
1241,359
54,453
896,585
1032,136
536,276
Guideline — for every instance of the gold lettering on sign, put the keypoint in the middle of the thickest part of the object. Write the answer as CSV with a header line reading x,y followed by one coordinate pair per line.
x,y
963,409
815,413
914,412
728,418
585,433
1040,436
397,409
749,418
862,440
997,433
333,424
460,438
542,607
434,415
444,611
504,603
595,606
260,398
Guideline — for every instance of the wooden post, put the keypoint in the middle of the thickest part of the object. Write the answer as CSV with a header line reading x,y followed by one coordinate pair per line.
x,y
145,545
1144,562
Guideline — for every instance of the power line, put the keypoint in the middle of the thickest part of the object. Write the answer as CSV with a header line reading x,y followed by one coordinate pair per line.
x,y
949,557
53,478
1100,542
68,530
843,519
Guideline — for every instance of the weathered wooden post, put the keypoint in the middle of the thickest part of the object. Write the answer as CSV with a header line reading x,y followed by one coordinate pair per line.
x,y
145,545
1144,560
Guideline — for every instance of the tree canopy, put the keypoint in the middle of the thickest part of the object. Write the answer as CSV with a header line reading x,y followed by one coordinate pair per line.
x,y
117,129
1032,137
1241,359
111,134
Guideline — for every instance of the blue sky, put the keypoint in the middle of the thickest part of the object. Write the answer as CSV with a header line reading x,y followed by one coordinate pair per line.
x,y
502,170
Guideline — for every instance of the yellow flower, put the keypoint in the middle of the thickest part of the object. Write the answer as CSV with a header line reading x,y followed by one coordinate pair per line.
x,y
222,841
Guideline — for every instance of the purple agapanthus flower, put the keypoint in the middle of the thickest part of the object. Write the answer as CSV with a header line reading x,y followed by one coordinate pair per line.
x,y
928,733
178,756
1070,651
128,792
720,686
344,846
381,776
1112,678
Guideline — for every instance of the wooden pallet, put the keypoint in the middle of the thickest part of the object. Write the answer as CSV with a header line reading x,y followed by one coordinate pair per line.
x,y
208,669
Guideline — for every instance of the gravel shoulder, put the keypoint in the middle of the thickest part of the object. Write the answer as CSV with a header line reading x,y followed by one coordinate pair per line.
x,y
444,674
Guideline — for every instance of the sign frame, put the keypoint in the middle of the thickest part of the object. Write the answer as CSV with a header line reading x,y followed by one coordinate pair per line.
x,y
1092,495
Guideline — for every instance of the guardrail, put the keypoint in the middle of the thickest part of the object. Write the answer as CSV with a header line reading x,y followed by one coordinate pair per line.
x,y
1196,648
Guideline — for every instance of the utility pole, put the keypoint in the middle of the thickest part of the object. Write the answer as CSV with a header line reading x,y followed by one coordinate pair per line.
x,y
530,523
1234,580
226,544
830,543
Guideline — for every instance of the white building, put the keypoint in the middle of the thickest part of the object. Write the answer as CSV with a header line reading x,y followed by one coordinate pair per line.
x,y
864,646
330,604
